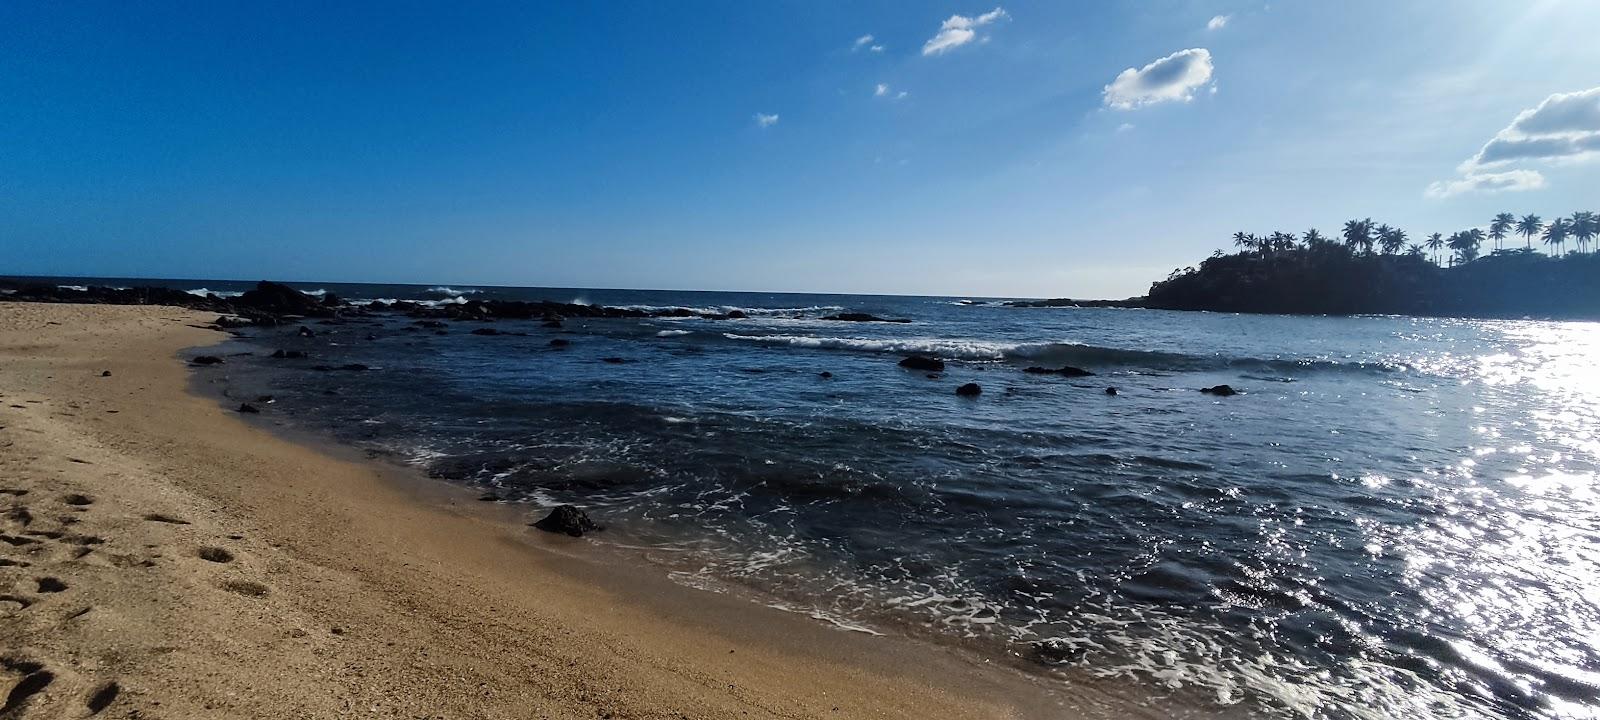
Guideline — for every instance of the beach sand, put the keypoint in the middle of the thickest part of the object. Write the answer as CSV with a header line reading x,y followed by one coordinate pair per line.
x,y
164,557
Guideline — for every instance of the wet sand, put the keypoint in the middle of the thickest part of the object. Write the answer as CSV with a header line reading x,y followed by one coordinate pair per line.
x,y
165,557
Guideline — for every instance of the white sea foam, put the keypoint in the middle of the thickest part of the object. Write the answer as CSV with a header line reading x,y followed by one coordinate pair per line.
x,y
673,333
725,309
947,348
202,292
78,288
452,292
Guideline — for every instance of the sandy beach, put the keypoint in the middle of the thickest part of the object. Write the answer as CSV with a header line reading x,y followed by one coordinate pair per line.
x,y
165,558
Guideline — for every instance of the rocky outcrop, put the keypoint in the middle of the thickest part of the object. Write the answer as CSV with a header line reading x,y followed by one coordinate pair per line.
x,y
1222,390
920,362
970,390
863,317
1063,371
568,520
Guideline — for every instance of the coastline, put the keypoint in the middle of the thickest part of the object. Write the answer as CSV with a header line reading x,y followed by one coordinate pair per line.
x,y
349,587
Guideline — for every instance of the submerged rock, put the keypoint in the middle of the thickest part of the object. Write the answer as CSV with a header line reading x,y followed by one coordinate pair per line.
x,y
248,408
1063,371
306,332
614,360
1223,390
970,390
288,354
825,375
560,343
205,360
862,317
485,331
568,520
919,362
737,315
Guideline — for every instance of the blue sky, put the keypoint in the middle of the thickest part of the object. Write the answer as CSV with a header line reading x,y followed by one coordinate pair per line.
x,y
1031,149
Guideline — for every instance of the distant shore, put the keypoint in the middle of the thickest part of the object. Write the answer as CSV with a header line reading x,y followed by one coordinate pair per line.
x,y
174,560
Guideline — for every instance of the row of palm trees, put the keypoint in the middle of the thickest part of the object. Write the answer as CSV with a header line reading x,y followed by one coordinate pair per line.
x,y
1366,237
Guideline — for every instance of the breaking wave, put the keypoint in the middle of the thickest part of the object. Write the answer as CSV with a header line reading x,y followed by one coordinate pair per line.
x,y
1055,354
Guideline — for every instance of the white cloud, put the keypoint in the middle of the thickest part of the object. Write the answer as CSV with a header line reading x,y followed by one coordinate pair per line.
x,y
765,120
1125,127
960,30
861,42
1565,127
1509,181
1172,78
901,95
881,90
1217,23
876,48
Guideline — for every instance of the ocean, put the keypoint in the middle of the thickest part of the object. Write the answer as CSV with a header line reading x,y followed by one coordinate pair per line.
x,y
1396,515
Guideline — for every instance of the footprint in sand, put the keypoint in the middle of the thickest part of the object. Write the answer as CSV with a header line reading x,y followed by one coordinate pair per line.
x,y
168,519
102,698
51,585
215,554
34,679
246,588
77,499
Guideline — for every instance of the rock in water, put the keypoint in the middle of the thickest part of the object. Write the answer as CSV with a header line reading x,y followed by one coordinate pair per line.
x,y
279,298
918,362
1063,371
569,520
306,332
1111,391
969,390
485,331
737,315
863,317
825,375
248,408
206,360
1223,390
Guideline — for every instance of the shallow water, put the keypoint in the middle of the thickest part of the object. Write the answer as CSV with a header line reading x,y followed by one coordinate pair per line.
x,y
1398,516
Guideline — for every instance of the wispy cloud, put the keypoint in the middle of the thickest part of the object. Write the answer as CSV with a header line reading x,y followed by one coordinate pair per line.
x,y
1565,127
960,30
881,90
861,42
1512,180
1175,77
765,120
1218,22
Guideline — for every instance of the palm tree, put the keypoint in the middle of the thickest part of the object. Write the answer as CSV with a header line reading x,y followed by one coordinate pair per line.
x,y
1241,240
1358,235
1414,249
1313,239
1435,241
1466,244
1500,226
1555,234
1528,227
1391,239
1584,227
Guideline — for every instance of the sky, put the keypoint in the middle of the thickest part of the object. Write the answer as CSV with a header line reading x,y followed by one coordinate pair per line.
x,y
1038,149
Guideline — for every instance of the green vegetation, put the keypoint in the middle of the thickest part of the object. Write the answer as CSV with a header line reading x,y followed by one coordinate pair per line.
x,y
1374,268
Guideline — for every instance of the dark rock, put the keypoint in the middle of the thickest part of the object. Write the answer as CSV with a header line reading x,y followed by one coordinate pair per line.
x,y
279,298
489,497
824,374
306,332
1222,390
206,360
918,362
969,390
378,305
1063,371
281,354
105,373
568,520
737,315
614,360
331,300
229,321
559,343
863,317
248,408
934,376
1111,391
430,323
263,398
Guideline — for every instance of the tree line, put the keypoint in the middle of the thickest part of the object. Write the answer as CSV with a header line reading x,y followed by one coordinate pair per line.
x,y
1366,237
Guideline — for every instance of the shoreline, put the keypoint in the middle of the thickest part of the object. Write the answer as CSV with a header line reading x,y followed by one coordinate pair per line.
x,y
348,585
